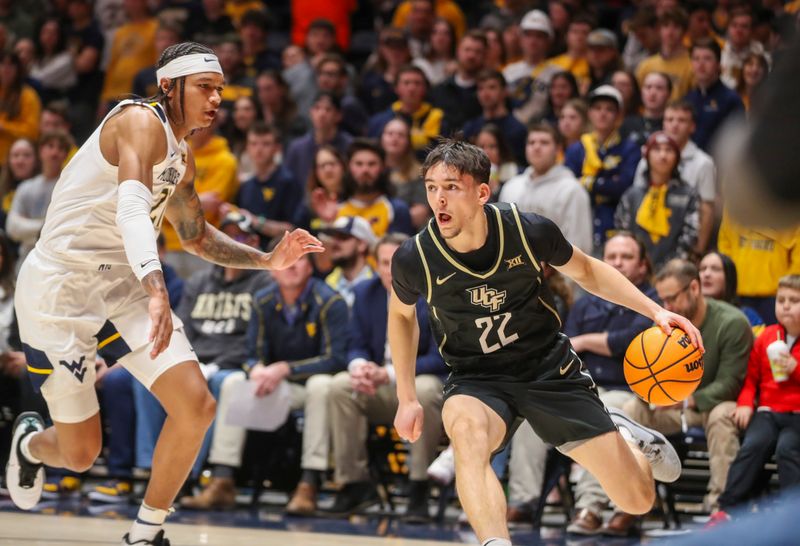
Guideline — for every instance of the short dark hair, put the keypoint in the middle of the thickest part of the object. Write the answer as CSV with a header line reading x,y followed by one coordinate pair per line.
x,y
333,58
488,74
262,128
543,127
700,5
322,24
710,44
62,138
643,255
462,156
741,11
412,69
682,104
59,108
676,16
365,145
255,17
682,270
332,97
477,35
583,18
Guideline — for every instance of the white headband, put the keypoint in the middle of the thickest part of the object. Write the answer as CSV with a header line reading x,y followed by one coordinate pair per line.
x,y
188,65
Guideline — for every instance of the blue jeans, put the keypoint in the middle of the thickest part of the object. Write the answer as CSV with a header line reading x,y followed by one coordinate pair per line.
x,y
150,418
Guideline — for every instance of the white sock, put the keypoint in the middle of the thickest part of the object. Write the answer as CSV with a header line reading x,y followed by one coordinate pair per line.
x,y
25,448
627,436
147,524
496,542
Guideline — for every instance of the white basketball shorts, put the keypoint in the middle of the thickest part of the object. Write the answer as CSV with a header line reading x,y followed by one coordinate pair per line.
x,y
67,316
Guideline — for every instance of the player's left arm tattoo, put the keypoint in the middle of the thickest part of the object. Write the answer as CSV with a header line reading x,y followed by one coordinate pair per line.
x,y
185,213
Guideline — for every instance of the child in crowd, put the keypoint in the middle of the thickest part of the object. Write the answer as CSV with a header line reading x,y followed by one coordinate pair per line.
x,y
769,405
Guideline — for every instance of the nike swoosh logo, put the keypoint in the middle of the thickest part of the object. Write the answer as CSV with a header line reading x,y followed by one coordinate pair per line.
x,y
171,155
206,59
144,264
440,281
564,369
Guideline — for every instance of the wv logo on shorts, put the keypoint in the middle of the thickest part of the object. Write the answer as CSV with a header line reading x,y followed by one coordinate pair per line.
x,y
487,297
78,369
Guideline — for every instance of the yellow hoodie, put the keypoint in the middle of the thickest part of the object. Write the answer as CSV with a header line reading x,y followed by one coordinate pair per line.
x,y
762,256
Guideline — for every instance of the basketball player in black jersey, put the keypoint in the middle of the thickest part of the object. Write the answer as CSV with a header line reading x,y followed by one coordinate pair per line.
x,y
479,267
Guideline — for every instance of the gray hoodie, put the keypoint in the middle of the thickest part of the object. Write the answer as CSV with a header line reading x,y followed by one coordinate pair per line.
x,y
556,195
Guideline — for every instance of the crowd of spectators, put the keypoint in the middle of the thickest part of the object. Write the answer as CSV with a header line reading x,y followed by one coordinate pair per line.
x,y
599,115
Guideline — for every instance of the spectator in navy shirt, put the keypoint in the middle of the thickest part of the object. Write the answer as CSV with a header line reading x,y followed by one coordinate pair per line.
x,y
457,95
712,100
272,196
493,98
326,114
366,393
600,332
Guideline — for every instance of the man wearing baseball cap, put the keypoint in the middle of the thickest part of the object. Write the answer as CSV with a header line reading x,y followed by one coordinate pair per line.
x,y
602,56
603,162
349,241
529,78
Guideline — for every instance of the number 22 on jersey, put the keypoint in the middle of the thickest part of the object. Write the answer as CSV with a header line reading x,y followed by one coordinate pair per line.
x,y
489,324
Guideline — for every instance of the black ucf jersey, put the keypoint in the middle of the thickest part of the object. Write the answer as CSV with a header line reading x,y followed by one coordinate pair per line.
x,y
491,321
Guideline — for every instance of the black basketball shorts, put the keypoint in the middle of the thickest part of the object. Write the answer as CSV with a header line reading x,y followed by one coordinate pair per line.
x,y
561,403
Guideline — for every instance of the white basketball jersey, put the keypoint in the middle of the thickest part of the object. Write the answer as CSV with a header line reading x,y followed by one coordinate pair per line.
x,y
80,228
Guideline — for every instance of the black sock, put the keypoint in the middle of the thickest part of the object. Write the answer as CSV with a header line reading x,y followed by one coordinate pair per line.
x,y
223,471
312,477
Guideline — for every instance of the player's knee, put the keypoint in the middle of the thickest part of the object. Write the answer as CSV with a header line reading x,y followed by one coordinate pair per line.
x,y
197,409
469,436
81,458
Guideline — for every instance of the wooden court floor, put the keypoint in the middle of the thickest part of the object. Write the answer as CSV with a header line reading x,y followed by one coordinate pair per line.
x,y
18,529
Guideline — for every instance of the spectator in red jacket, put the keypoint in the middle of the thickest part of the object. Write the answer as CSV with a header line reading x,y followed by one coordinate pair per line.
x,y
769,404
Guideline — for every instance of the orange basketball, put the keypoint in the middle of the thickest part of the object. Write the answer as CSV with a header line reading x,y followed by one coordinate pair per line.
x,y
663,369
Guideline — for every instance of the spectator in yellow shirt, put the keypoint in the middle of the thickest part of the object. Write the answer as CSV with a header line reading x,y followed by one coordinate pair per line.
x,y
672,58
574,60
132,50
446,9
762,256
700,24
19,105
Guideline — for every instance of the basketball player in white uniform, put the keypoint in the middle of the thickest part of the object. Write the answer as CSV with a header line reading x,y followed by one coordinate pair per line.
x,y
93,284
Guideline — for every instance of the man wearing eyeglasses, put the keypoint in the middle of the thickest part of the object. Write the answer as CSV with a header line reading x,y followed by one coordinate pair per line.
x,y
727,338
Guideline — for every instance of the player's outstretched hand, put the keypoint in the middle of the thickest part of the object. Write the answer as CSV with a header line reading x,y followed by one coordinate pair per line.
x,y
160,323
408,421
667,319
292,247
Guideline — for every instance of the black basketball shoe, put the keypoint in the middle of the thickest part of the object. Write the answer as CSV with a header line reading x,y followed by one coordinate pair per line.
x,y
159,540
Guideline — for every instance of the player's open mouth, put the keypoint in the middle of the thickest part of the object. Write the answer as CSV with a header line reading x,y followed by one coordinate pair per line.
x,y
211,113
443,218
